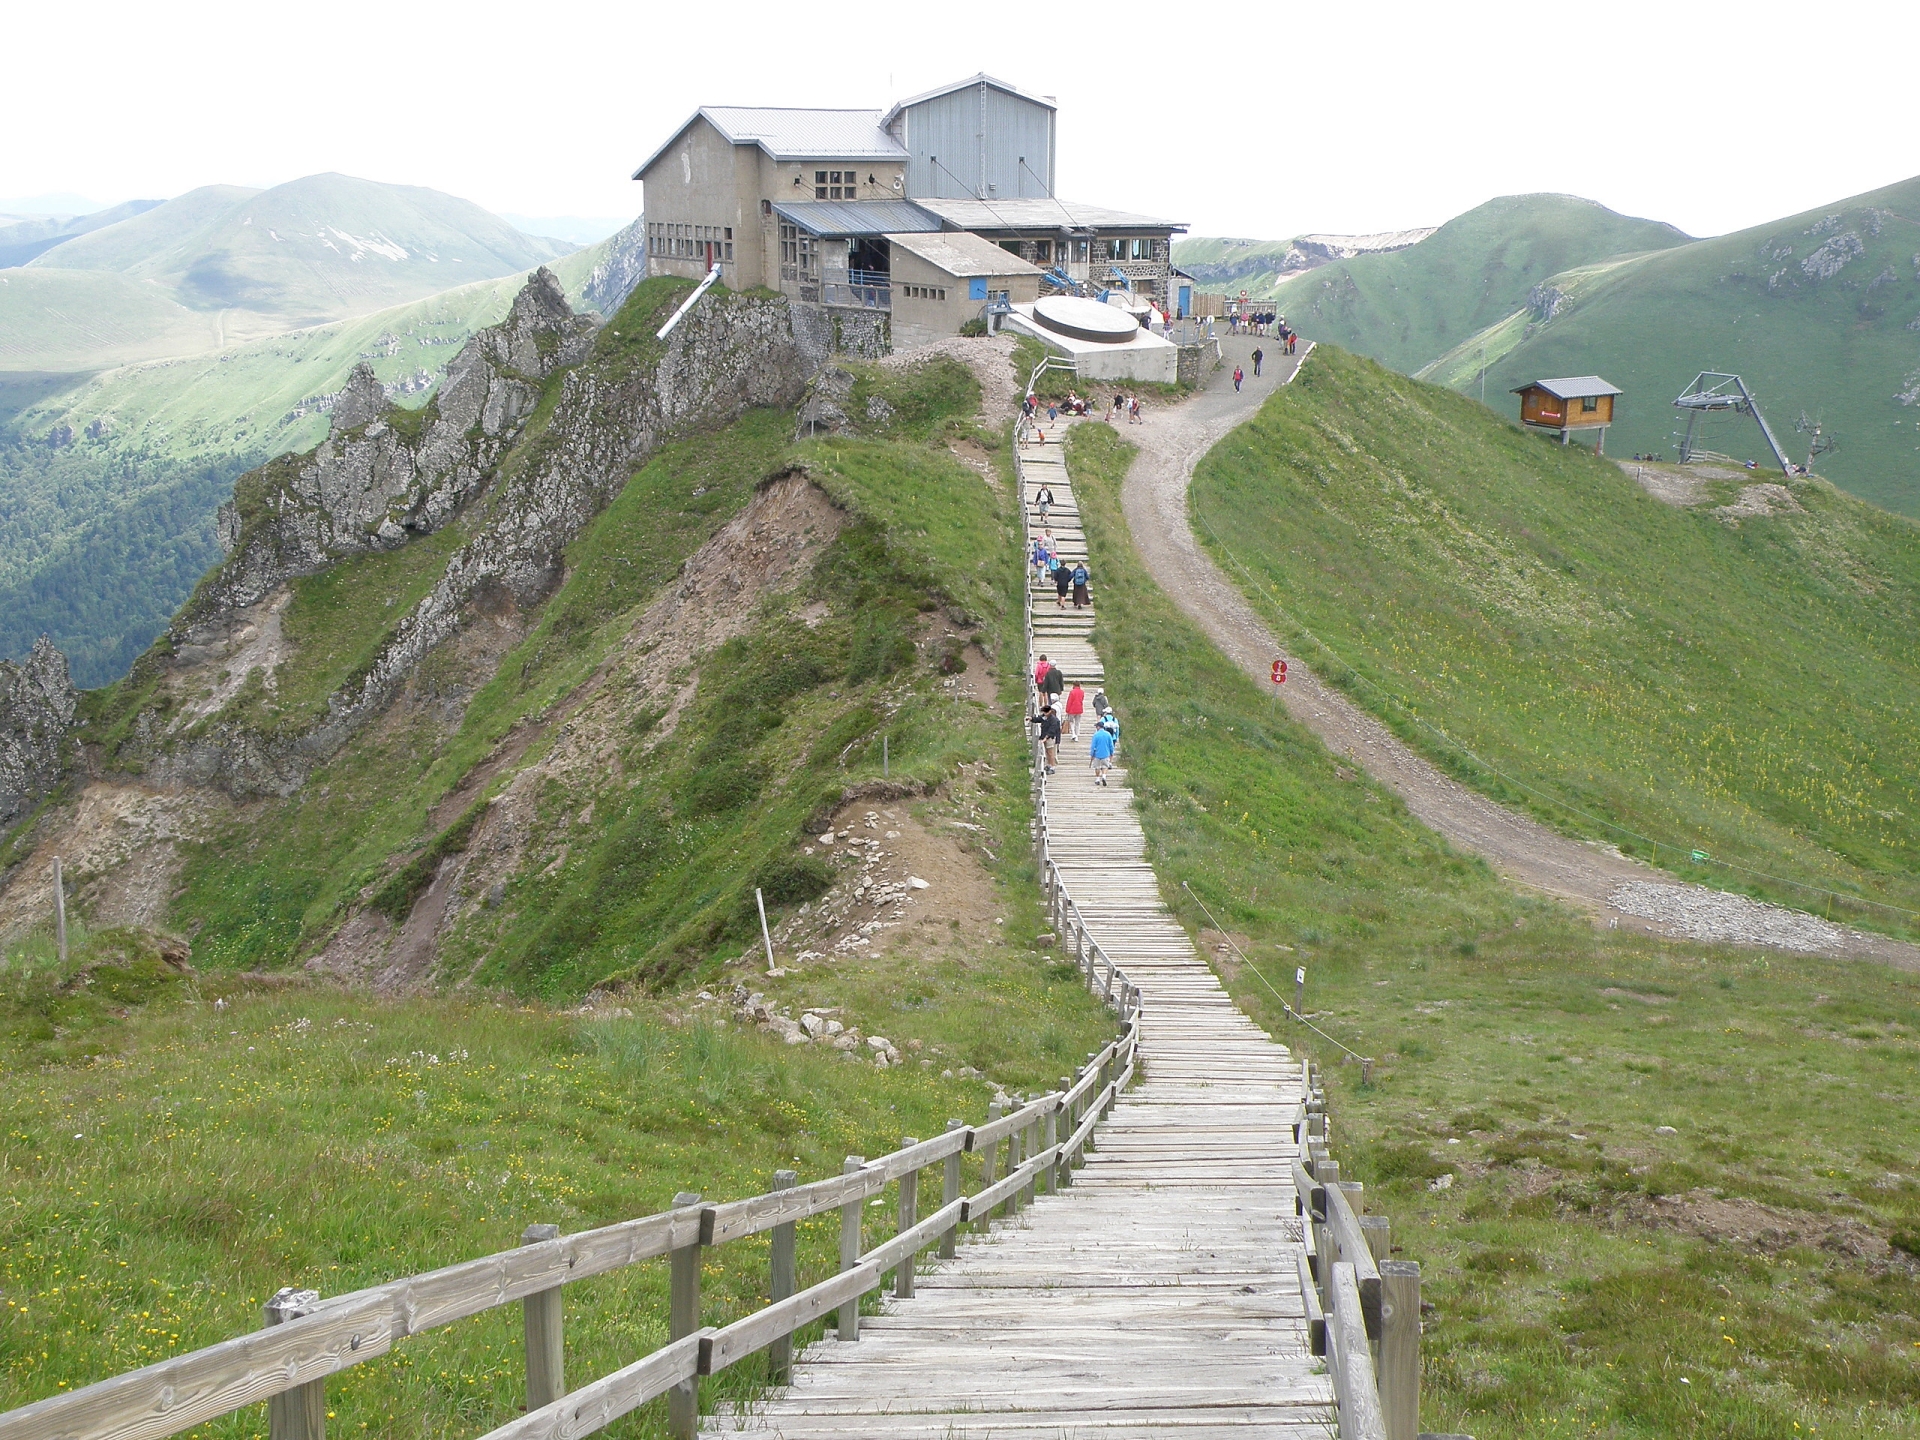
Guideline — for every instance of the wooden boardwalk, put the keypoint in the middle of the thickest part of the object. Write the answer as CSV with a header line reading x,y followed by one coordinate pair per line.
x,y
1160,1292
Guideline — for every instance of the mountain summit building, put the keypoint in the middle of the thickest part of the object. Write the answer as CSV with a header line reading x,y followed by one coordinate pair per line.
x,y
825,205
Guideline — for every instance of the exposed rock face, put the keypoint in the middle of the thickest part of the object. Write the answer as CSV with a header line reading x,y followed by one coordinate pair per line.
x,y
37,701
370,487
382,477
613,278
825,410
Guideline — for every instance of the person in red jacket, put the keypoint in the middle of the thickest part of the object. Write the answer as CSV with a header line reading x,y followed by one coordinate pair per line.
x,y
1238,376
1076,707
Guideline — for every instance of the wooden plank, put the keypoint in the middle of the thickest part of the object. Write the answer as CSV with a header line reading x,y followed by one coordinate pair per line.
x,y
737,1218
1350,1361
597,1405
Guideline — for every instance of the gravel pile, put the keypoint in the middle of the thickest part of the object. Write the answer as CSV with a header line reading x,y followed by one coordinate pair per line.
x,y
1701,914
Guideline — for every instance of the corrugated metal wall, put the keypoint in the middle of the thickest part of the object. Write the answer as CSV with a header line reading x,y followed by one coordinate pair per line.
x,y
979,136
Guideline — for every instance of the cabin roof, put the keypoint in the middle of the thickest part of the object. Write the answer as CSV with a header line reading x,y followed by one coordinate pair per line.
x,y
855,217
793,134
1038,213
964,254
1571,387
1044,101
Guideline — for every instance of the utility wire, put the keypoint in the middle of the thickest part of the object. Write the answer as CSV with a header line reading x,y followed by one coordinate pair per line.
x,y
1266,593
1295,1014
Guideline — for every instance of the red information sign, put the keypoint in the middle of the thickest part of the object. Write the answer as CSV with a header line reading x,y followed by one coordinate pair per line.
x,y
1279,672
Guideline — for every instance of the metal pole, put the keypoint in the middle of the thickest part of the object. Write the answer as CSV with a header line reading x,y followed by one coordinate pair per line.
x,y
765,934
60,909
886,760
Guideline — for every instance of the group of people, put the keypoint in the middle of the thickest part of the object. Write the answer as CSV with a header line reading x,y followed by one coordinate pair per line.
x,y
1057,698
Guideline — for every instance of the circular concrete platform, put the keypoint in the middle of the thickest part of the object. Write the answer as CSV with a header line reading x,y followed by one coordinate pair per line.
x,y
1086,319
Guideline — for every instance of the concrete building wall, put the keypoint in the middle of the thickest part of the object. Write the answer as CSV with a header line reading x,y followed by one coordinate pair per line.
x,y
979,136
929,304
693,200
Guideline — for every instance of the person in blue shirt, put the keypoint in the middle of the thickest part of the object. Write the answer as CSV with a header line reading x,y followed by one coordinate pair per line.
x,y
1100,750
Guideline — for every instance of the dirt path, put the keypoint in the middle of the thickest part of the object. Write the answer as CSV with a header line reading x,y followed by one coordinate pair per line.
x,y
1597,878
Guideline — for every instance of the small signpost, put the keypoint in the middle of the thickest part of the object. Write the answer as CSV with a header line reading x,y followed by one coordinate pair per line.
x,y
1299,990
1279,672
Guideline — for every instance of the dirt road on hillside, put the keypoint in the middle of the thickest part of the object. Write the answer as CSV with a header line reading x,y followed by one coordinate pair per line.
x,y
1618,891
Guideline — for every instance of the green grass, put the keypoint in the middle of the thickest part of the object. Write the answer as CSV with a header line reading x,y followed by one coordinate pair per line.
x,y
214,1138
1837,348
1570,1298
1553,636
1405,307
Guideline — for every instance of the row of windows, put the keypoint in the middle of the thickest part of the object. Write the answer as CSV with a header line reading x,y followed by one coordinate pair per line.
x,y
836,185
795,248
1133,248
1139,248
690,242
925,292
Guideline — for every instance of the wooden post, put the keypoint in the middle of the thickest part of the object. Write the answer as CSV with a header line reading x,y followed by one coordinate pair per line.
x,y
847,1327
541,1324
1049,1179
986,1160
908,1218
950,1192
683,1318
1399,1368
766,935
60,919
299,1413
780,1284
1015,1155
1378,1230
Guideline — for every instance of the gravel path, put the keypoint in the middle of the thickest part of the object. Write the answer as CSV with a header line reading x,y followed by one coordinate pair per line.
x,y
1597,878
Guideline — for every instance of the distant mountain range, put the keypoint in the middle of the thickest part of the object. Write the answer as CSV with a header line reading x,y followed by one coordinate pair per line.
x,y
1256,266
1818,312
151,353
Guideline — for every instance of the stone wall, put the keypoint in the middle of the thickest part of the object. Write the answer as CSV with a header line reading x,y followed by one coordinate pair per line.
x,y
1198,361
37,701
863,334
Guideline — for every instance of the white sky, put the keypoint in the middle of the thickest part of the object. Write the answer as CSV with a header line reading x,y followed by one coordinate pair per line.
x,y
1241,119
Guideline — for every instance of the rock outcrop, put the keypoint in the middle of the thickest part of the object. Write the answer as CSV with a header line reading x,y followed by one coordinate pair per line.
x,y
381,479
37,701
384,476
624,267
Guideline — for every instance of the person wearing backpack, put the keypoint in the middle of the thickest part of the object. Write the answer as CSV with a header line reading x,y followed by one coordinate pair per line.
x,y
1100,753
1080,578
1051,684
1062,582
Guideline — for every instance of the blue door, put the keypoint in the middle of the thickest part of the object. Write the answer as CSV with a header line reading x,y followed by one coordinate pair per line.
x,y
977,288
1186,301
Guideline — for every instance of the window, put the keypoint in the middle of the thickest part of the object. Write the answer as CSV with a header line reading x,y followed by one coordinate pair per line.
x,y
1589,404
1143,249
925,292
1111,249
1043,252
836,185
1012,247
789,245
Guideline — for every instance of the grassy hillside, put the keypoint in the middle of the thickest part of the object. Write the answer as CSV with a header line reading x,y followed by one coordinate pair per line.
x,y
1536,623
312,250
79,321
103,537
1579,1262
1405,308
1817,312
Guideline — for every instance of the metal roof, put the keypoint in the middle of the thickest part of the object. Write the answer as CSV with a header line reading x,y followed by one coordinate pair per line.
x,y
1040,214
967,84
793,134
962,253
856,217
1572,387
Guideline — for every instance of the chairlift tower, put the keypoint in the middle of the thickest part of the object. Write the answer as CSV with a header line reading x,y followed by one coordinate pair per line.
x,y
1714,392
1818,441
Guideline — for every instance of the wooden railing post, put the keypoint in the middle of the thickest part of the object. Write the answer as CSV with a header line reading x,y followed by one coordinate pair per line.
x,y
1046,1178
540,1316
909,1217
994,1112
1399,1368
780,1284
299,1413
683,1318
847,1327
950,1191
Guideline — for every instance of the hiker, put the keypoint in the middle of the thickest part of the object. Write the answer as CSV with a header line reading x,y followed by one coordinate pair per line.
x,y
1052,683
1133,410
1257,358
1049,724
1044,502
1062,582
1238,376
1076,707
1053,411
1039,558
1040,669
1100,754
1100,705
1080,578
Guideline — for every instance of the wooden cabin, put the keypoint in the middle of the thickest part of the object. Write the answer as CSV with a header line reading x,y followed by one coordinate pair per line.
x,y
1569,403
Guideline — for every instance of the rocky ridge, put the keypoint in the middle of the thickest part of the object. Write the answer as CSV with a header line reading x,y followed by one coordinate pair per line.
x,y
37,703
